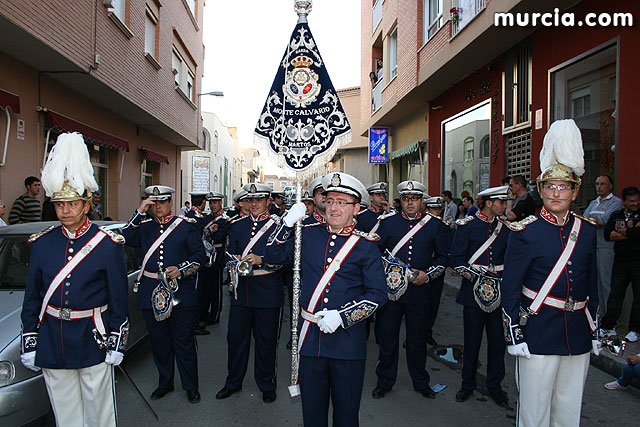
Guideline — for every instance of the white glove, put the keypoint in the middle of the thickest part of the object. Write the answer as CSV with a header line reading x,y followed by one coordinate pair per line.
x,y
597,346
29,361
295,213
113,358
519,350
330,321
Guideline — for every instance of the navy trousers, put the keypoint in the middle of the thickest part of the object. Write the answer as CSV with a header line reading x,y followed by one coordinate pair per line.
x,y
322,378
416,323
263,323
173,341
435,292
475,322
209,294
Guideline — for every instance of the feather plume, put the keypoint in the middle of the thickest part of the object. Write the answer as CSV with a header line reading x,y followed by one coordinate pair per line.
x,y
68,161
563,144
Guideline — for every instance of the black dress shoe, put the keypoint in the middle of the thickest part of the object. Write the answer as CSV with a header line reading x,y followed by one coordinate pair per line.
x,y
269,396
160,392
226,392
428,393
500,397
202,331
431,341
463,394
379,392
193,396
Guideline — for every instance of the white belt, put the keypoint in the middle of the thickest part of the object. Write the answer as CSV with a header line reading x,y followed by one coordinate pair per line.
x,y
261,272
308,316
218,245
565,305
495,267
150,274
68,314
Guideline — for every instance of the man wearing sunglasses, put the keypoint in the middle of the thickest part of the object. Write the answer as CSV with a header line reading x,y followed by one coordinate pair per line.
x,y
549,288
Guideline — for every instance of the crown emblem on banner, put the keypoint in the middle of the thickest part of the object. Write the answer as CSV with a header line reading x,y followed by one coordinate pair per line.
x,y
301,61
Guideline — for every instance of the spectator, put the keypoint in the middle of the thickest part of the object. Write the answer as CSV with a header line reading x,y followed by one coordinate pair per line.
x,y
373,78
379,68
468,205
26,208
629,372
186,208
450,207
95,213
601,209
623,228
3,209
523,205
462,210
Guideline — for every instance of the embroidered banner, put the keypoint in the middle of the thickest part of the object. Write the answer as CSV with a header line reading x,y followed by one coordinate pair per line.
x,y
302,120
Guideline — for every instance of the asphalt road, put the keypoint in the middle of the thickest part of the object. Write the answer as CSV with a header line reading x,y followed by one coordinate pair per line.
x,y
401,407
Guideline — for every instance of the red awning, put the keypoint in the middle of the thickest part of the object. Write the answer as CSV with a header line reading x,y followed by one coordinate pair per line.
x,y
101,138
8,99
152,156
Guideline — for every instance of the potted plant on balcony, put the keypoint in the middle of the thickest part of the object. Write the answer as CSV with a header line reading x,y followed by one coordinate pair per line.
x,y
455,15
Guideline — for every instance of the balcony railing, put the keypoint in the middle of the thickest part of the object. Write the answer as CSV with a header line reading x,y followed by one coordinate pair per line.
x,y
466,11
376,14
376,97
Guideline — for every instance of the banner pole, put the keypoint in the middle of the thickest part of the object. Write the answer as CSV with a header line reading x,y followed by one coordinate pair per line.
x,y
294,389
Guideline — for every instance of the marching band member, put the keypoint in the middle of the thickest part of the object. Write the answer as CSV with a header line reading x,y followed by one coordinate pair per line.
x,y
418,240
368,218
74,315
278,206
257,303
307,199
173,247
549,288
478,248
317,194
343,284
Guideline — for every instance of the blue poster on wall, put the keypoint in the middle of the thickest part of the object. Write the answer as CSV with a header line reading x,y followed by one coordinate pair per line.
x,y
378,145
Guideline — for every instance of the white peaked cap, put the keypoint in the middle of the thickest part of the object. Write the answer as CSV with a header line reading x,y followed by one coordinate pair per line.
x,y
68,162
563,144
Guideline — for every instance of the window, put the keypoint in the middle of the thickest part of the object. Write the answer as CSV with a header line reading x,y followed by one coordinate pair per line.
x,y
190,85
485,147
150,30
283,184
192,6
176,67
461,169
516,85
119,9
393,54
433,19
270,184
148,169
584,89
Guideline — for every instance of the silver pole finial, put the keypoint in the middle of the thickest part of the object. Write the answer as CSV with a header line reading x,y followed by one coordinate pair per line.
x,y
302,8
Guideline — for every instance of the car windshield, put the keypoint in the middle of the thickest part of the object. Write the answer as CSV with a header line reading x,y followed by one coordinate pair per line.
x,y
14,261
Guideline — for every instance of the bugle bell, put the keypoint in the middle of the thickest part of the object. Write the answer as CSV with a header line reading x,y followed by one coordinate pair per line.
x,y
245,268
614,345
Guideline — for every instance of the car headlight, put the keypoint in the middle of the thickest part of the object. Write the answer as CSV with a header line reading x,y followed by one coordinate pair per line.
x,y
7,372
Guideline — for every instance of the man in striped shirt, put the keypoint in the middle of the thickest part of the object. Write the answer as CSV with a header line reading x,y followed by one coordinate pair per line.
x,y
26,208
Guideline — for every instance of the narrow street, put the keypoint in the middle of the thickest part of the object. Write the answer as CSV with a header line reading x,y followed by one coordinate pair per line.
x,y
401,407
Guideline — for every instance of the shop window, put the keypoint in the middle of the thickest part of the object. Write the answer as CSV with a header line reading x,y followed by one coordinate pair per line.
x,y
584,89
461,169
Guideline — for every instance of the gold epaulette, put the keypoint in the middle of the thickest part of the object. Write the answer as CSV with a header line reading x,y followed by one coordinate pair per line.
x,y
465,220
503,220
36,236
238,218
588,219
189,220
276,218
313,224
146,220
115,237
444,221
521,225
373,237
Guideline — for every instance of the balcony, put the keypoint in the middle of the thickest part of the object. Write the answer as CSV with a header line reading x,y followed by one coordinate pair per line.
x,y
377,14
376,97
466,11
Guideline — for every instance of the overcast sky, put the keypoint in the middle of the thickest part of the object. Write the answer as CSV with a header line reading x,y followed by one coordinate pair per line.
x,y
245,41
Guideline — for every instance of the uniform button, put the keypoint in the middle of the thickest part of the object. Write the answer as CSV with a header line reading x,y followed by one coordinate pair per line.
x,y
570,271
69,258
409,252
255,223
329,259
571,280
161,251
326,300
69,276
410,247
66,303
332,243
66,292
161,231
71,242
326,291
333,236
70,250
67,284
161,257
160,264
569,263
